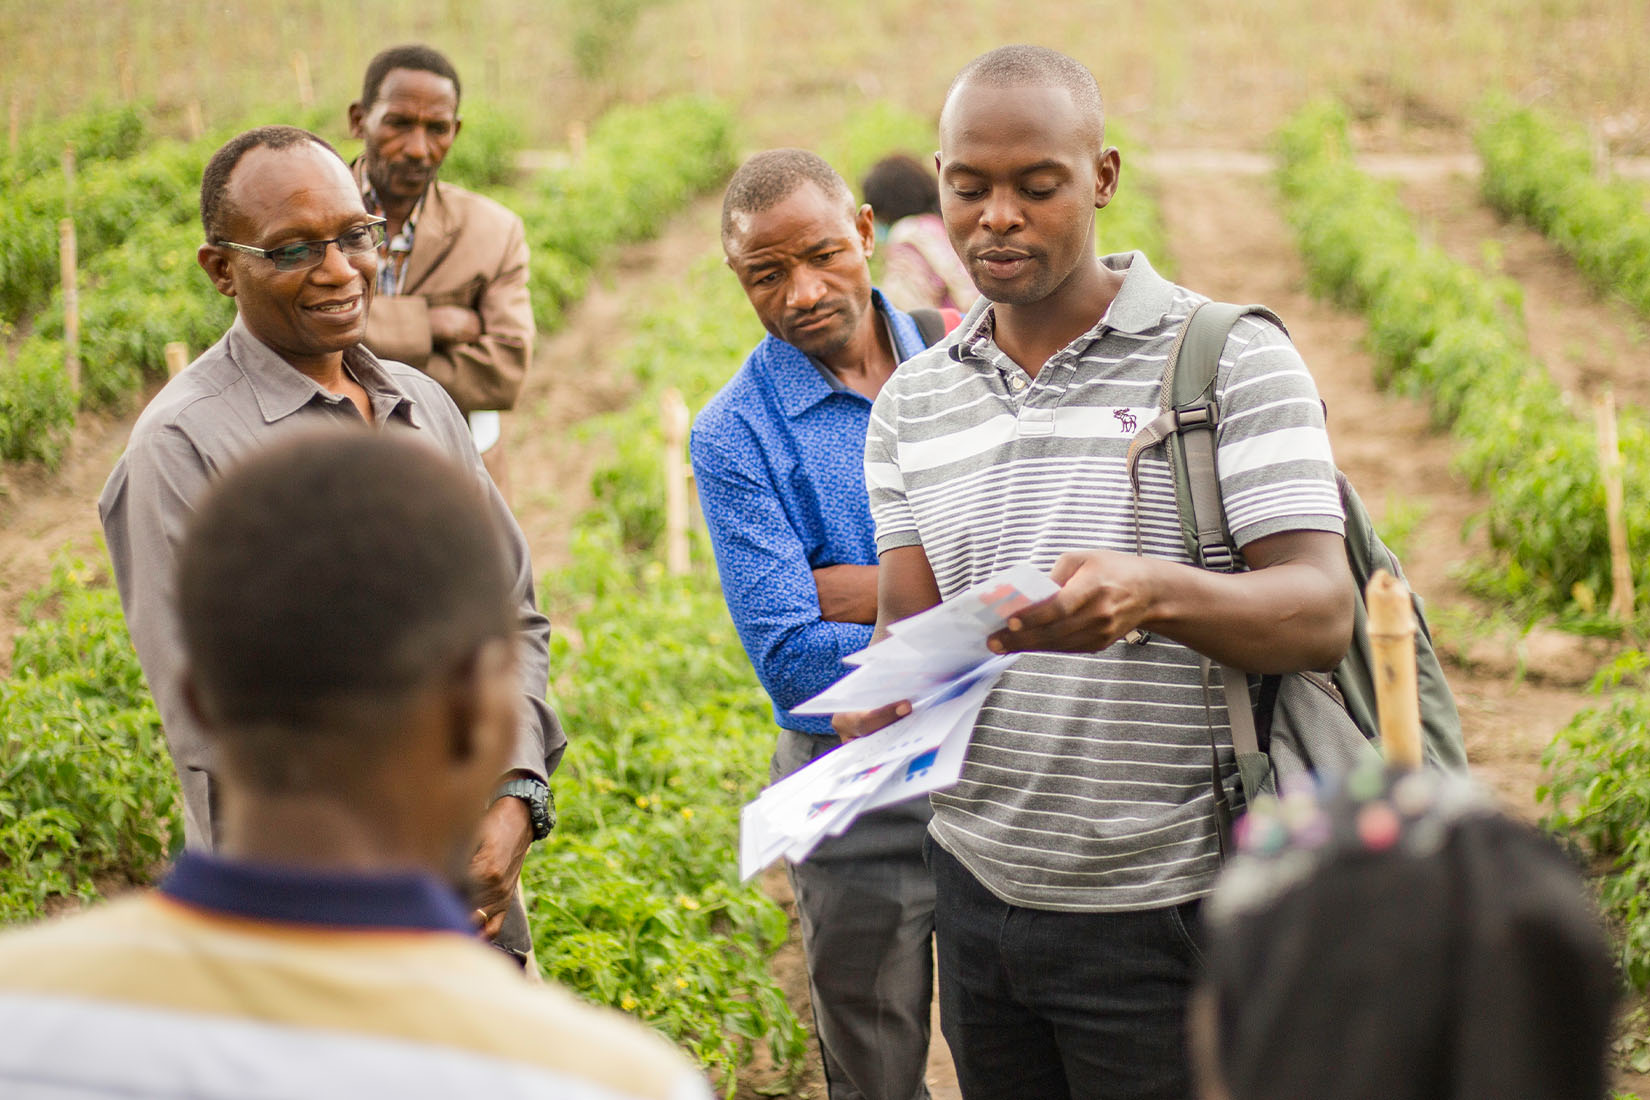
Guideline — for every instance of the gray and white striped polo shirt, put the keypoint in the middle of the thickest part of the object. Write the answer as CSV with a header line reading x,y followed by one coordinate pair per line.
x,y
1086,787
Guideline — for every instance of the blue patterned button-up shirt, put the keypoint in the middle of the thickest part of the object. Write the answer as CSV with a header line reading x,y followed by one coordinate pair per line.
x,y
779,457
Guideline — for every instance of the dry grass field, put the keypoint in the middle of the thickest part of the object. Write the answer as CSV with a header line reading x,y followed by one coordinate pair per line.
x,y
1191,73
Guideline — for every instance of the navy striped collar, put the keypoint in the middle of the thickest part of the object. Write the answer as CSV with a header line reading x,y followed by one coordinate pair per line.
x,y
290,895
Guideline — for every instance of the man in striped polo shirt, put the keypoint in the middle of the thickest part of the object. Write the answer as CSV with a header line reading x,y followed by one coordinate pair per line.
x,y
350,649
1070,858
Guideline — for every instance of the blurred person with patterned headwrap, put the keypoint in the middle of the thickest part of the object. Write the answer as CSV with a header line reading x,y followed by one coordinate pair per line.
x,y
1400,939
920,268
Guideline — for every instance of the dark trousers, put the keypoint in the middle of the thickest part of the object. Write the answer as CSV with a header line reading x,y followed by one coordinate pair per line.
x,y
866,904
1036,1003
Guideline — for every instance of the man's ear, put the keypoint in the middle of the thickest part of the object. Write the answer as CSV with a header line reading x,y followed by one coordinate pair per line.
x,y
485,707
215,262
1107,169
192,701
866,222
357,120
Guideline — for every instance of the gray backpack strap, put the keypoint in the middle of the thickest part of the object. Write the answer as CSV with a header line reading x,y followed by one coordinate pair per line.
x,y
1186,423
930,325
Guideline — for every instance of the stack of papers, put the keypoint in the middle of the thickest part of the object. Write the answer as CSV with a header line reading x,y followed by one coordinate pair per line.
x,y
939,662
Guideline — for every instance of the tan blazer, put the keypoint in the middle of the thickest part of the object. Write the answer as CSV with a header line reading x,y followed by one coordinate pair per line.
x,y
469,251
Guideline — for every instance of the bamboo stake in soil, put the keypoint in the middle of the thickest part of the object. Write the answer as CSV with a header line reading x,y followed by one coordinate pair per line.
x,y
1609,462
68,264
300,70
673,414
177,357
1392,640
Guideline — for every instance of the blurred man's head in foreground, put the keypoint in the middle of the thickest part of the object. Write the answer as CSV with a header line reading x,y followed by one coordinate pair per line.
x,y
346,616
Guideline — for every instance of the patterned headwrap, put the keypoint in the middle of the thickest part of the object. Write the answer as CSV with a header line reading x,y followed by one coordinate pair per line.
x,y
1399,939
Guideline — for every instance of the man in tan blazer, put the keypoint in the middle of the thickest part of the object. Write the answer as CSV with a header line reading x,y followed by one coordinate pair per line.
x,y
452,284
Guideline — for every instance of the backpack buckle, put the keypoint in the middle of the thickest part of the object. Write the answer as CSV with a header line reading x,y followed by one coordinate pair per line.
x,y
1217,557
1206,415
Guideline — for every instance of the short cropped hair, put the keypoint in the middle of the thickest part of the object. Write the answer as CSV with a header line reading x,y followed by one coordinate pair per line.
x,y
419,58
769,178
898,187
1040,67
334,569
215,180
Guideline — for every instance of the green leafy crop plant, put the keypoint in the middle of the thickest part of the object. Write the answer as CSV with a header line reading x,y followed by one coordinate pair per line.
x,y
641,165
141,288
101,133
1598,790
1540,170
86,788
1443,331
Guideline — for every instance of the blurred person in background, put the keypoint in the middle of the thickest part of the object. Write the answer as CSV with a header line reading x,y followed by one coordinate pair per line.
x,y
348,618
452,274
287,237
920,268
1400,939
778,459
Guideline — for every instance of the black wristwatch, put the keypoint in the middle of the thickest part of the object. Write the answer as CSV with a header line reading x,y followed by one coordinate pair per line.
x,y
541,807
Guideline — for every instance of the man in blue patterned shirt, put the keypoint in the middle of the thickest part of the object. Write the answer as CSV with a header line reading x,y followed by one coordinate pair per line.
x,y
778,456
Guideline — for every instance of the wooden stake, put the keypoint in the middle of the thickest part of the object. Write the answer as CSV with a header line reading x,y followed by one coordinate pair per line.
x,y
1609,464
69,171
197,125
1392,642
128,77
300,69
177,357
69,266
673,414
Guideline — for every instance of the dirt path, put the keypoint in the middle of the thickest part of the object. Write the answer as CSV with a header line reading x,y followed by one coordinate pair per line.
x,y
574,378
44,516
1230,242
1586,341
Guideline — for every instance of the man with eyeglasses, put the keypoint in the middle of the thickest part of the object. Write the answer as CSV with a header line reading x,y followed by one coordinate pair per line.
x,y
288,238
452,276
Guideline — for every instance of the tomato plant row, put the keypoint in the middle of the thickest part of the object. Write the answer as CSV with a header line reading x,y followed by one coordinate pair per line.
x,y
142,289
1539,170
1442,330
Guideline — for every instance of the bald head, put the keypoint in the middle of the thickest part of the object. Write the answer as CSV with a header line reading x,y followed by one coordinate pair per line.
x,y
1023,66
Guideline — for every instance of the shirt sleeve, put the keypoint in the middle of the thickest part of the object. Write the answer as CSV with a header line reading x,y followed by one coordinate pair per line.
x,y
1276,470
145,508
896,524
767,579
540,741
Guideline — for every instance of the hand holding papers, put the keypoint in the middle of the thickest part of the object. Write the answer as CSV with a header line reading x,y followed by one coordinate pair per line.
x,y
937,660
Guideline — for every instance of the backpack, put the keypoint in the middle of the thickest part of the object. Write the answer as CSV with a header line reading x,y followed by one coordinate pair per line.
x,y
1304,722
933,325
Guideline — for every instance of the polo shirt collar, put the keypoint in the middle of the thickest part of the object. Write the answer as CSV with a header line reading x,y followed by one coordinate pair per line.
x,y
281,389
1142,302
800,381
335,899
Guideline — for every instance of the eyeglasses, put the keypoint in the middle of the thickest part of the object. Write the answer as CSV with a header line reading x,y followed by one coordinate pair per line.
x,y
302,255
